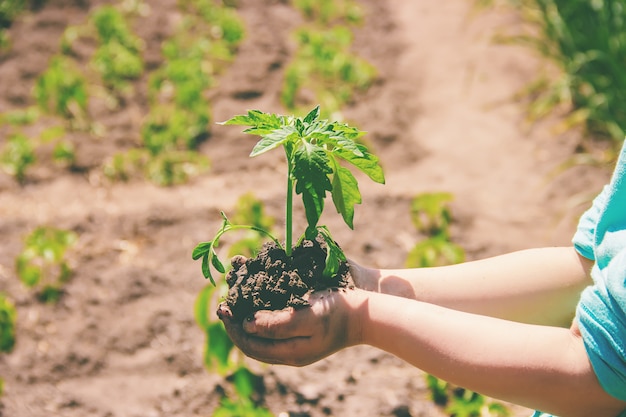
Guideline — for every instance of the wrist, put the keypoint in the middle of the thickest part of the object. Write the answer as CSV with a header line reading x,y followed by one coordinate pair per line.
x,y
365,278
357,301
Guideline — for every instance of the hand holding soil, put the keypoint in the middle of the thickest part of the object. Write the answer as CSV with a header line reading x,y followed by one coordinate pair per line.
x,y
299,336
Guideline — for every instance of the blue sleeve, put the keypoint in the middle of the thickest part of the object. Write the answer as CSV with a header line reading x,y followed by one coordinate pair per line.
x,y
602,320
584,238
601,312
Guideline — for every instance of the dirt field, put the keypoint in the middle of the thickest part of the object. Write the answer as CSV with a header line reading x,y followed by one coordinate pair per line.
x,y
122,341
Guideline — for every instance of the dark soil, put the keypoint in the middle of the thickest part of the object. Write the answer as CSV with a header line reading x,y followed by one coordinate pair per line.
x,y
273,280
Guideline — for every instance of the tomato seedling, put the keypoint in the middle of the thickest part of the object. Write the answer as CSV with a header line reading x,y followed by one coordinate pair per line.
x,y
314,149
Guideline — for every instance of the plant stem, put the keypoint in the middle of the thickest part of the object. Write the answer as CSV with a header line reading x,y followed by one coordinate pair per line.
x,y
289,210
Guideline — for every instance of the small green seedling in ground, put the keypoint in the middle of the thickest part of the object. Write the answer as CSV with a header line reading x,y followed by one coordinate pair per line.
x,y
460,402
62,90
118,57
313,149
43,263
8,316
325,11
218,351
17,155
325,65
431,215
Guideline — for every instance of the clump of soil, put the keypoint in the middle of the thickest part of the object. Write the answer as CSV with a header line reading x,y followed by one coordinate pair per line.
x,y
273,281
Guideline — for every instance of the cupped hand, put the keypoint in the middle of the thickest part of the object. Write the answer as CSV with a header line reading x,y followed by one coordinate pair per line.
x,y
300,336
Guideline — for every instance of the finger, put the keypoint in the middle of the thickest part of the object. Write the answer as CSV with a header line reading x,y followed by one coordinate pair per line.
x,y
283,324
263,349
284,352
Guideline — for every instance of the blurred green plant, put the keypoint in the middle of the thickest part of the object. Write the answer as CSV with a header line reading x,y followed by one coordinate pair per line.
x,y
20,117
250,210
219,349
9,10
8,317
165,169
324,67
431,216
460,402
586,40
62,90
118,56
179,113
327,11
43,263
223,26
20,152
179,116
17,156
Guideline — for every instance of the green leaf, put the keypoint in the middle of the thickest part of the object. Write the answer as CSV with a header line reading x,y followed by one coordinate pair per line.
x,y
243,380
313,115
206,269
334,254
273,140
218,347
201,249
201,307
367,163
345,194
217,264
311,171
258,119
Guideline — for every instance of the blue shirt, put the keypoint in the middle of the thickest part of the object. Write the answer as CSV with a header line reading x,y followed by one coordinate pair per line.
x,y
601,311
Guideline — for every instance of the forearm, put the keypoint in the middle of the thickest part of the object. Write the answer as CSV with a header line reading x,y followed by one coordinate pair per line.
x,y
537,366
540,286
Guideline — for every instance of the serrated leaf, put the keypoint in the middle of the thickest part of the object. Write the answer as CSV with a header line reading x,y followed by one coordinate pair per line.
x,y
311,169
313,115
334,254
239,120
272,140
256,118
347,144
345,194
367,163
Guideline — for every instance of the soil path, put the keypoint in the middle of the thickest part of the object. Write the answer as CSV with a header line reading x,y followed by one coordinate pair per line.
x,y
476,143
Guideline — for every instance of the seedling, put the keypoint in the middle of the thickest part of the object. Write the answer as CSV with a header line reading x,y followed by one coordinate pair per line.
x,y
117,58
313,150
17,155
239,397
43,263
62,90
7,324
325,65
325,11
460,402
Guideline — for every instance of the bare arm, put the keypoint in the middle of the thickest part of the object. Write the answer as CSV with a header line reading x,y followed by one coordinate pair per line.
x,y
536,366
540,286
539,367
473,324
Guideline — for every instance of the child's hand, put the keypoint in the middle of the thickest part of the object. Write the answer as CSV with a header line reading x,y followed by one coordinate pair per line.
x,y
303,336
